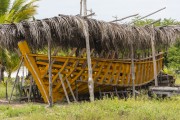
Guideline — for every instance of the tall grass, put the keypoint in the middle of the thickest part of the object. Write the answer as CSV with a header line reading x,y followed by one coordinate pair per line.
x,y
107,109
3,90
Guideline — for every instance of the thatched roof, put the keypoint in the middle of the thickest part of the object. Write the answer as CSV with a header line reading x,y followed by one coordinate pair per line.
x,y
67,31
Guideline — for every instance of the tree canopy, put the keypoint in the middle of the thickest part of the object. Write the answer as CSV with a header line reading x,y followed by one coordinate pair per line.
x,y
13,11
17,11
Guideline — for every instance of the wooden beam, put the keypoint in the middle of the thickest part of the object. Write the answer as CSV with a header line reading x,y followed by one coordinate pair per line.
x,y
148,15
124,18
89,15
154,22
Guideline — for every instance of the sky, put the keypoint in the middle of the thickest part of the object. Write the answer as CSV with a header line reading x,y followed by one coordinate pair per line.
x,y
106,9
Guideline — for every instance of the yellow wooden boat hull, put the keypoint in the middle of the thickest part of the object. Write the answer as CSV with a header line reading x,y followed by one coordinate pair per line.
x,y
106,72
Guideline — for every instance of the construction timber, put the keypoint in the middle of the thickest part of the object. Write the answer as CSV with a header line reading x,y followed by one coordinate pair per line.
x,y
70,73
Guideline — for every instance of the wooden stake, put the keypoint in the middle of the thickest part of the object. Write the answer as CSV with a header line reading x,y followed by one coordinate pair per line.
x,y
6,89
71,90
81,7
77,96
50,75
85,7
90,78
86,33
16,78
64,88
30,89
132,69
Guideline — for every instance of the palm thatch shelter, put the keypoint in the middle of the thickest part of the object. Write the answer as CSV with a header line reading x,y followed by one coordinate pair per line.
x,y
69,32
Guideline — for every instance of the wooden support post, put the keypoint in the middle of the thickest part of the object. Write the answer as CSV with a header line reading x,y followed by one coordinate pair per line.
x,y
6,89
154,58
16,78
81,7
85,7
64,88
90,78
116,92
86,34
50,75
77,97
100,93
132,69
30,89
71,90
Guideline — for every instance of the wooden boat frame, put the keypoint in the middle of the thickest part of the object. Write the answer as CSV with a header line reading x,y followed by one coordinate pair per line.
x,y
107,71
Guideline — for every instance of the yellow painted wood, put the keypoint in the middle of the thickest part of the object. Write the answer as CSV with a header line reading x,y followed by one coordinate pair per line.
x,y
32,67
106,71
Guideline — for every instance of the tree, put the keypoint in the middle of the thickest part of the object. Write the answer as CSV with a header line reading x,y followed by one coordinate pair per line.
x,y
172,60
18,11
174,56
13,11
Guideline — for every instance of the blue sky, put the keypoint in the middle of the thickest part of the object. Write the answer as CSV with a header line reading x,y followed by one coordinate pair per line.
x,y
105,9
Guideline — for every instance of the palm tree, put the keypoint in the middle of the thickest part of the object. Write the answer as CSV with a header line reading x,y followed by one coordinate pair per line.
x,y
17,11
13,11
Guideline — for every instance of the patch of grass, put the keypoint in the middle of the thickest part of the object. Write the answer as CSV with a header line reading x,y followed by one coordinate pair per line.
x,y
178,79
107,109
3,90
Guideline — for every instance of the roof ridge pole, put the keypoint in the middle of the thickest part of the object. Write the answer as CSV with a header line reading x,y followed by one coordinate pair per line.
x,y
121,19
154,55
86,34
148,15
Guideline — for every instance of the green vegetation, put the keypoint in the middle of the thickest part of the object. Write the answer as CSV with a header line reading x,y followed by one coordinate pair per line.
x,y
174,56
141,109
17,11
3,90
172,61
13,11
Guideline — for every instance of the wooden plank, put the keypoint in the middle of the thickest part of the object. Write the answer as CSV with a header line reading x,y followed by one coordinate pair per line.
x,y
72,70
148,71
53,60
138,73
114,74
127,72
109,65
142,73
118,71
145,72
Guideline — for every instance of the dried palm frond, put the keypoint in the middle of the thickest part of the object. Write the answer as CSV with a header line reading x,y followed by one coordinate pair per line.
x,y
67,32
